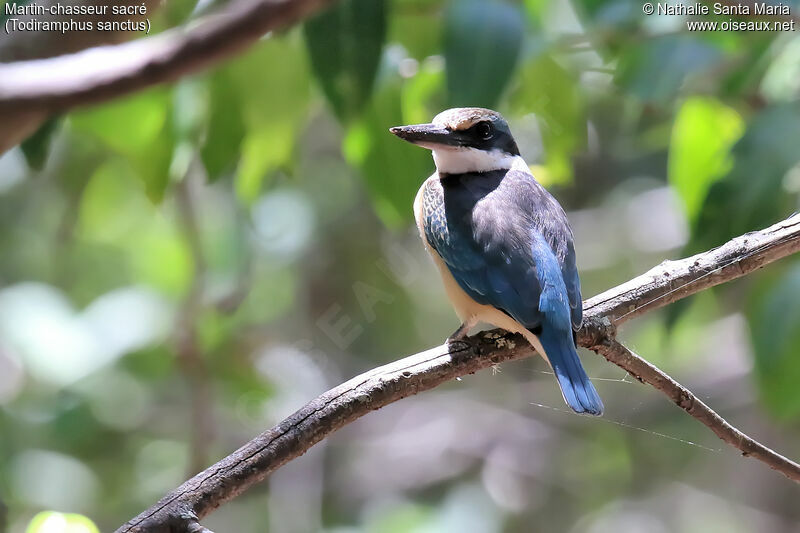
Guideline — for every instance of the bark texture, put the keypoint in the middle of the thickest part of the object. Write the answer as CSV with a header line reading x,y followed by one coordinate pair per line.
x,y
181,509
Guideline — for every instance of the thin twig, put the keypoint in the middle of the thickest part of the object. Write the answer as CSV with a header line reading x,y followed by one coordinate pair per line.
x,y
372,390
648,373
673,280
188,349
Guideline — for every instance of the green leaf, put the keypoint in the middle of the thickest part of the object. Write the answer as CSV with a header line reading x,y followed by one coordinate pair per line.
x,y
226,129
537,11
702,136
482,43
345,44
271,82
139,128
551,92
176,12
52,521
752,195
112,206
36,147
130,124
85,155
393,170
775,329
417,26
656,70
262,152
115,213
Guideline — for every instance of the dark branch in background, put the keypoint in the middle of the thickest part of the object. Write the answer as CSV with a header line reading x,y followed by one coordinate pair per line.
x,y
379,387
101,73
187,344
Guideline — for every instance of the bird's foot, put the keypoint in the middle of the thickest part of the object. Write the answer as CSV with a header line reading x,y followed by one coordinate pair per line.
x,y
460,333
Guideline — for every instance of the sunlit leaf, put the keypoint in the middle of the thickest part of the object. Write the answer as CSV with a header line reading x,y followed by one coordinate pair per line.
x,y
262,151
272,83
536,10
345,43
752,195
482,43
162,259
551,92
113,205
128,125
699,154
392,169
139,128
53,522
115,212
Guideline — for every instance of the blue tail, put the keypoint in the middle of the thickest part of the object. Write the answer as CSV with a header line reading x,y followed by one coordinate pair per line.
x,y
578,391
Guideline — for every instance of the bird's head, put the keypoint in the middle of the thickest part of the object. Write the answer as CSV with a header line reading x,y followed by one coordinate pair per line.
x,y
465,139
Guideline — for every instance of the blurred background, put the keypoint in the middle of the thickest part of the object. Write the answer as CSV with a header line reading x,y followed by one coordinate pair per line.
x,y
183,267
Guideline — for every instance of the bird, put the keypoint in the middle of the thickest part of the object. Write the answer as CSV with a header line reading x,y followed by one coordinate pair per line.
x,y
502,243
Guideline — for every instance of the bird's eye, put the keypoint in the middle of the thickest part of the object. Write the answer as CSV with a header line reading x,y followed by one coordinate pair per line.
x,y
484,130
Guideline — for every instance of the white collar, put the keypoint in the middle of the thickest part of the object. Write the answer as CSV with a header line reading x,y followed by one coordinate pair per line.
x,y
460,160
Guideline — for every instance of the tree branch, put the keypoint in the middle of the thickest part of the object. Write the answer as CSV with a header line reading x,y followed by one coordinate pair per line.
x,y
674,280
372,390
645,372
25,45
63,82
20,123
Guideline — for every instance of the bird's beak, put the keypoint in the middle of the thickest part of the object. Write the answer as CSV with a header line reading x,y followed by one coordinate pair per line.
x,y
427,135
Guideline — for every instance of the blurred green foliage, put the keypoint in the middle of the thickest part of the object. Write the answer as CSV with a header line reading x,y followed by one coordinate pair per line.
x,y
482,43
702,136
182,267
345,44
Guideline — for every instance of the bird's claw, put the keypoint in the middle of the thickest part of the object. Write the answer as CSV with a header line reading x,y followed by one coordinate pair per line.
x,y
459,334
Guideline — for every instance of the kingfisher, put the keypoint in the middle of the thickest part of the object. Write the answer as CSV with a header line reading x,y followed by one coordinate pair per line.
x,y
501,242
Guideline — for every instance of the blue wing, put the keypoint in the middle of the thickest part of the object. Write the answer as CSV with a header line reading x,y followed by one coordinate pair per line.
x,y
525,282
569,271
497,249
511,248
